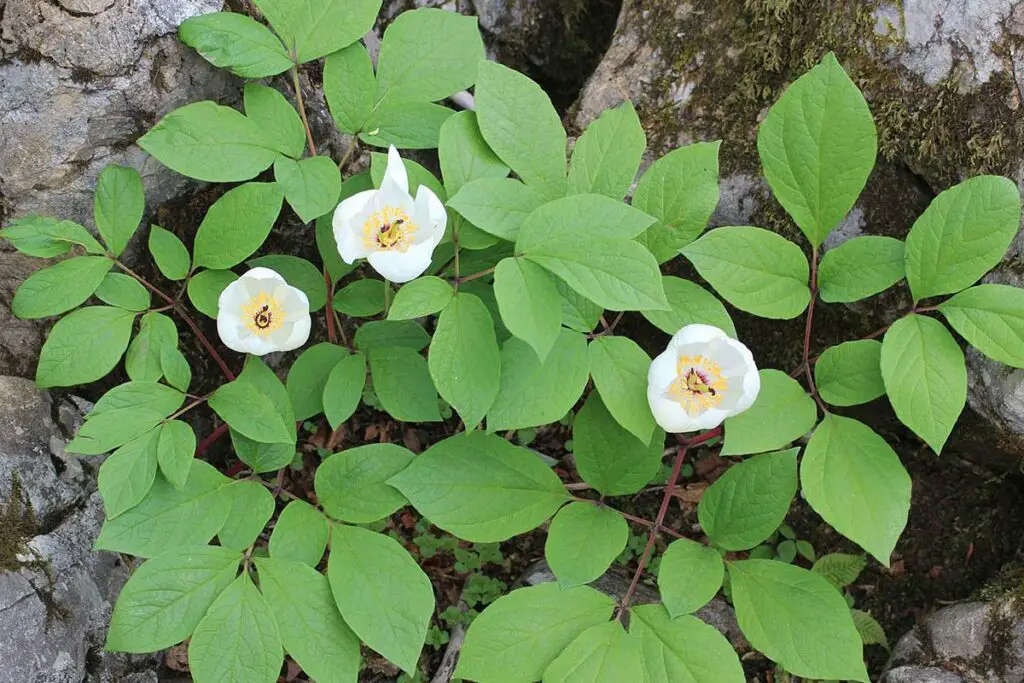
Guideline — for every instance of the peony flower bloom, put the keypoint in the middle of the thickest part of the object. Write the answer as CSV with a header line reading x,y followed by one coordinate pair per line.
x,y
260,313
702,378
394,232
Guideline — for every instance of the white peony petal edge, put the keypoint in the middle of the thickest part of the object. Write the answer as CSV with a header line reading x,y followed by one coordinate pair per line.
x,y
431,212
230,327
399,267
347,233
396,170
697,334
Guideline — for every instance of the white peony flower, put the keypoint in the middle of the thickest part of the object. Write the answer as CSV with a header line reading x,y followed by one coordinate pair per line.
x,y
394,232
702,378
259,313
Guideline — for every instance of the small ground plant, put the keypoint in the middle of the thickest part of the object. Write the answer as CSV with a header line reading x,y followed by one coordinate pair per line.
x,y
478,300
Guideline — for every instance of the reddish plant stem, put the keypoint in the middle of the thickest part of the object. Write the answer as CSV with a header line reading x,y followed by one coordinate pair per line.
x,y
329,309
205,444
807,332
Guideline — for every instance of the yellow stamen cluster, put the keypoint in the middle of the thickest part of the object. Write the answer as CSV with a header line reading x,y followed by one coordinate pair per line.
x,y
698,385
390,229
263,314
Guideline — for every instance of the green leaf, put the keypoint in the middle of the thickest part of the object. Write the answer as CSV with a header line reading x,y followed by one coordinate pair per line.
x,y
311,29
382,333
747,503
175,368
481,488
169,518
464,155
59,288
497,206
610,458
428,54
583,541
123,291
607,156
782,413
850,373
405,124
518,635
520,124
235,42
113,428
157,398
143,360
690,575
128,474
578,312
45,237
689,303
344,389
382,593
840,569
204,290
580,217
311,627
855,481
925,377
252,506
529,303
421,297
535,393
401,380
297,272
352,485
991,318
684,649
681,190
84,346
464,360
237,641
361,298
619,369
262,457
166,597
755,270
176,447
349,86
796,619
266,382
871,632
601,654
250,412
861,267
300,534
237,224
276,118
962,234
206,141
818,147
119,204
311,186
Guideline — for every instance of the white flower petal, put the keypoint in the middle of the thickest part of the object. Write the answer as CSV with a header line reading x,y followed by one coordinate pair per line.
x,y
662,371
232,299
391,195
430,213
299,334
696,334
396,170
670,415
348,228
399,267
751,388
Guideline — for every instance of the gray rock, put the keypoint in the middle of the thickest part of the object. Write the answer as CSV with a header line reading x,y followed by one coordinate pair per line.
x,y
917,674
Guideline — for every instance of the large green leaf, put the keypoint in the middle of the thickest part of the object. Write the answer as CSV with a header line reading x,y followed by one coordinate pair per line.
x,y
352,485
84,346
276,118
925,377
262,457
311,186
535,393
119,204
311,627
45,237
144,360
175,451
235,42
690,575
855,481
519,123
464,155
344,388
818,147
405,124
166,597
782,413
59,288
175,368
578,312
481,488
607,156
205,288
300,534
361,298
580,217
128,474
850,373
237,224
681,190
250,412
991,318
464,361
610,458
496,205
349,86
383,595
252,506
861,267
169,253
583,541
311,29
619,369
123,291
689,303
747,503
520,634
170,518
159,398
206,141
755,270
601,654
113,428
237,641
401,380
962,234
684,649
529,303
421,297
797,619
